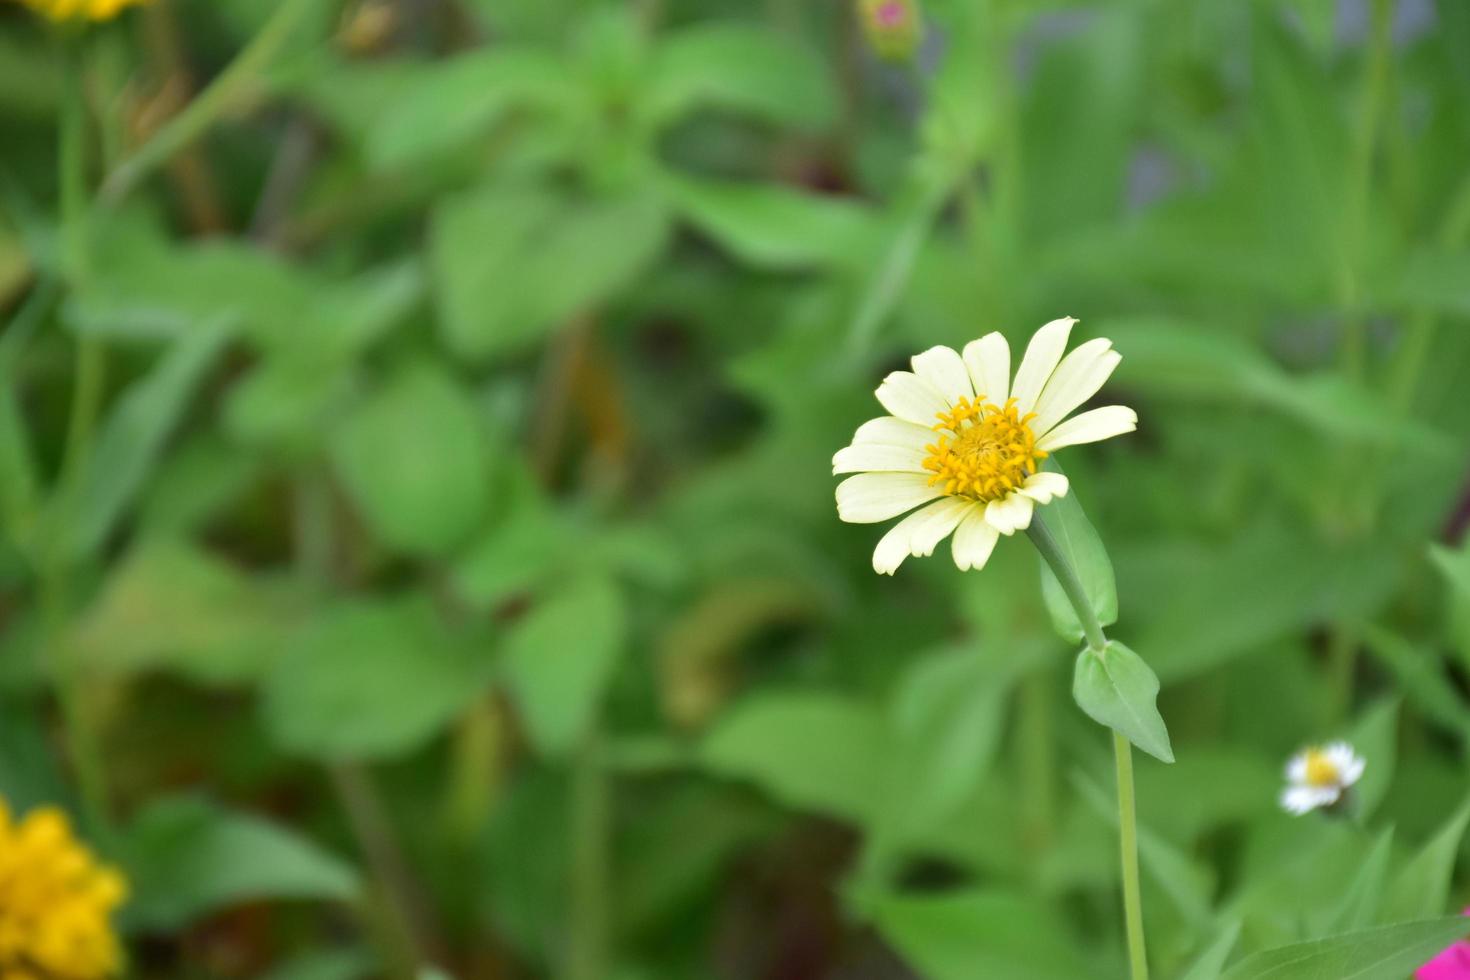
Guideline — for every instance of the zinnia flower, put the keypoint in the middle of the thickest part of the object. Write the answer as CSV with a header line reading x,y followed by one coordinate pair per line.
x,y
80,9
1318,776
55,902
963,434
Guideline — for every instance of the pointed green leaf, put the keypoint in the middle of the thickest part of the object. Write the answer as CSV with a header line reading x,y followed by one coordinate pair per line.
x,y
1359,906
1084,551
560,659
1117,689
134,432
1375,737
1211,962
1384,953
1422,887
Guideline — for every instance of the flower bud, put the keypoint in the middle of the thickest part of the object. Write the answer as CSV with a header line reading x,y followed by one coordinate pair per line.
x,y
894,28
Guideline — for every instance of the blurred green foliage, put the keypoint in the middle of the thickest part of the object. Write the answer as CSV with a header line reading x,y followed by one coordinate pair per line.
x,y
423,486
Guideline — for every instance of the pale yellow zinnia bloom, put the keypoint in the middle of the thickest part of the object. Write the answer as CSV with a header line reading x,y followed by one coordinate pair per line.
x,y
56,902
965,435
80,9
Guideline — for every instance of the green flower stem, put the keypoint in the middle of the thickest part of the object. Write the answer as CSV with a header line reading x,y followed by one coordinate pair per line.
x,y
1128,849
1097,641
234,85
53,565
591,823
1051,552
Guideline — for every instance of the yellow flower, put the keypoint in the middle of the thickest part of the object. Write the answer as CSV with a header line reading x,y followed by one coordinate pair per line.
x,y
55,902
80,9
963,431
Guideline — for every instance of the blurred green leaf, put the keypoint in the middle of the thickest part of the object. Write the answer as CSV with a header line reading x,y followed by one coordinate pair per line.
x,y
1115,688
776,227
1419,675
510,263
1211,961
413,458
1422,887
1454,565
172,607
1085,553
187,858
966,934
1385,953
560,658
367,679
737,69
1375,737
814,751
1359,906
132,435
453,101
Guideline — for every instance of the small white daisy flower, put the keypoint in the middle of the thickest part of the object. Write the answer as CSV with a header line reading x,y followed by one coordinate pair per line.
x,y
1318,776
981,457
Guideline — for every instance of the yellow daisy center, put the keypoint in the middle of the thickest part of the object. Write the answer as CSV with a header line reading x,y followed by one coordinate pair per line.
x,y
1321,770
984,452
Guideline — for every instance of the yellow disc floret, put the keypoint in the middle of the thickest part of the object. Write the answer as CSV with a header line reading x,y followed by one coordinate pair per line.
x,y
80,9
984,451
55,902
1321,770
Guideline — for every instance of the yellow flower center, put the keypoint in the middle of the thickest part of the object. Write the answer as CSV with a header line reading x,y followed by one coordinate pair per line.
x,y
986,450
1321,771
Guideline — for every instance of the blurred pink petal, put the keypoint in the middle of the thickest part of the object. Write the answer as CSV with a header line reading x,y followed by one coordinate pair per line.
x,y
1452,964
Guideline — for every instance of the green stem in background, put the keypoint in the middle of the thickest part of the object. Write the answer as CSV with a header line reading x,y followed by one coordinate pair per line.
x,y
1097,642
1038,758
401,928
1359,188
54,578
1128,850
591,826
230,88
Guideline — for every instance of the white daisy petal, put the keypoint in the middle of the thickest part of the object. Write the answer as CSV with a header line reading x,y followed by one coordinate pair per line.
x,y
1296,768
942,368
1042,355
911,398
1009,514
973,541
889,431
1043,486
1349,764
1093,426
1300,799
871,497
919,533
989,362
874,458
1075,380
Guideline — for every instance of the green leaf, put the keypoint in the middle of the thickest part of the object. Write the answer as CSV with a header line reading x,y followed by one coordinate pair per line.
x,y
739,69
132,436
450,102
945,726
968,934
172,607
1084,552
1385,953
1422,887
367,680
813,751
1455,567
510,263
774,227
1375,737
1418,674
560,659
186,859
413,458
1211,961
1359,906
18,479
1117,689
